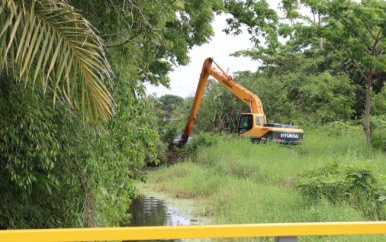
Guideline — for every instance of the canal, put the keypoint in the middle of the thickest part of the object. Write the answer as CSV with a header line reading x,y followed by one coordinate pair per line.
x,y
152,208
151,211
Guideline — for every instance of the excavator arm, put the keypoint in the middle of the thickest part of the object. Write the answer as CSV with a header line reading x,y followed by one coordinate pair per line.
x,y
249,98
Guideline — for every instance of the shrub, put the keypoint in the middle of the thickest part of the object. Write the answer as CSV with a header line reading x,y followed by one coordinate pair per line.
x,y
201,140
378,132
339,128
355,184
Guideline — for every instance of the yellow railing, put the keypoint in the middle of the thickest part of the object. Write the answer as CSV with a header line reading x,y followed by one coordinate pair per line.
x,y
278,230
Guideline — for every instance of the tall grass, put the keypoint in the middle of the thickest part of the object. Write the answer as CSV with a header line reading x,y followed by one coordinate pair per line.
x,y
242,182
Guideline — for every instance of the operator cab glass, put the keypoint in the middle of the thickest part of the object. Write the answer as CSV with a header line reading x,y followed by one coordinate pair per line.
x,y
245,123
260,121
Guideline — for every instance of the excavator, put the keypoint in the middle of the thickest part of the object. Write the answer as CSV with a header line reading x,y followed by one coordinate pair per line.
x,y
253,124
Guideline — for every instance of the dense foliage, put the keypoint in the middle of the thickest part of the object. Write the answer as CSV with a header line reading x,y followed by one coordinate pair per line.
x,y
50,43
354,183
66,62
378,129
56,170
328,65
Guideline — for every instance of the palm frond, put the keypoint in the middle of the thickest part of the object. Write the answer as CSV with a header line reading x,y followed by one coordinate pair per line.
x,y
49,42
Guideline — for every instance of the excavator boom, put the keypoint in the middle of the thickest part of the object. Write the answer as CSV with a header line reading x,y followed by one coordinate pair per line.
x,y
246,96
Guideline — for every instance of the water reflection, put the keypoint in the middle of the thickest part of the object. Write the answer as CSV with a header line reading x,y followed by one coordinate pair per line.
x,y
150,211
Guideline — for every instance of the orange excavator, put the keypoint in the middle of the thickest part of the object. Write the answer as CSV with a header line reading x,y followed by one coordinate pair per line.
x,y
253,124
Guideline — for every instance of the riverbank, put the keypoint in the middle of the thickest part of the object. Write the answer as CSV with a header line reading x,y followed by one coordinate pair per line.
x,y
237,182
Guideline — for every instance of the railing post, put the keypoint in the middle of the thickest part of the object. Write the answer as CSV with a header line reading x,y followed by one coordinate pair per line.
x,y
286,239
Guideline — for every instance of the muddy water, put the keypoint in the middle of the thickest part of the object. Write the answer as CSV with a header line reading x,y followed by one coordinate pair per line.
x,y
151,211
154,208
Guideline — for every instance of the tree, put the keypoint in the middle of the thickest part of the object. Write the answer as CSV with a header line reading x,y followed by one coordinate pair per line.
x,y
260,20
359,30
168,118
56,171
54,167
153,36
351,28
220,109
167,104
49,42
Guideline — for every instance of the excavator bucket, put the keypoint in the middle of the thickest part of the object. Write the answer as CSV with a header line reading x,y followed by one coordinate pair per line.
x,y
177,141
180,140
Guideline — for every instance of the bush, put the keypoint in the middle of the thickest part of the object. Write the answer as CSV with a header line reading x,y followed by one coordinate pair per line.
x,y
201,140
355,184
378,132
339,128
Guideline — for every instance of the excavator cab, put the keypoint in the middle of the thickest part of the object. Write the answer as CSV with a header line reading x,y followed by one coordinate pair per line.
x,y
248,120
253,125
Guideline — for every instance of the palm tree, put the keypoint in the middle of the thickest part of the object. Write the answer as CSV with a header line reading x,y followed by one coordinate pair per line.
x,y
49,42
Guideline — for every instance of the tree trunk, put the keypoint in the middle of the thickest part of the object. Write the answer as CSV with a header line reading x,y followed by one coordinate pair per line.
x,y
367,107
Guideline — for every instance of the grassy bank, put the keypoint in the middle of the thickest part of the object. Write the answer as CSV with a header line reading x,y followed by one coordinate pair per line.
x,y
236,181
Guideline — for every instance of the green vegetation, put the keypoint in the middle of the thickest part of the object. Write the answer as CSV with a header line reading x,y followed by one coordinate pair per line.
x,y
378,130
77,127
333,176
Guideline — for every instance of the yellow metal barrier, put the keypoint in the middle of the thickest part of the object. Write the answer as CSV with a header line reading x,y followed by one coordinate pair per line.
x,y
194,232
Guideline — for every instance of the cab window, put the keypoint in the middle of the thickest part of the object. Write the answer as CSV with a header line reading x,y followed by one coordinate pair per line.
x,y
259,121
245,123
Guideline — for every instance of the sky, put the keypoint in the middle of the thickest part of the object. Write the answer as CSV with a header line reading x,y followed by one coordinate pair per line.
x,y
184,79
